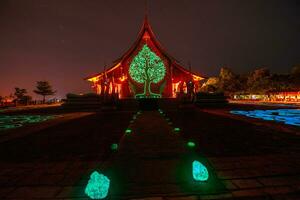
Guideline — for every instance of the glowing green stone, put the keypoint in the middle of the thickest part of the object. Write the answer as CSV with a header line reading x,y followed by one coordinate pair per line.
x,y
128,131
98,186
114,147
200,172
176,129
191,144
168,119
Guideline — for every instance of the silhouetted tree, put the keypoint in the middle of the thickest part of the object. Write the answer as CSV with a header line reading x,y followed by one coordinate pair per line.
x,y
226,74
44,88
295,77
280,82
259,81
296,70
229,82
210,85
19,94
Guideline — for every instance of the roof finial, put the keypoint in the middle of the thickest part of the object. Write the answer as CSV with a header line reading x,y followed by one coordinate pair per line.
x,y
146,9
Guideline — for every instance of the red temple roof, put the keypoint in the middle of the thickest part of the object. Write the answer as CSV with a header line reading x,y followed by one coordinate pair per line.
x,y
145,32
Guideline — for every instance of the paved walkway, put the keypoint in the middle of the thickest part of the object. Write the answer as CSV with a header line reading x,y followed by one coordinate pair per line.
x,y
251,162
155,161
254,160
274,176
54,163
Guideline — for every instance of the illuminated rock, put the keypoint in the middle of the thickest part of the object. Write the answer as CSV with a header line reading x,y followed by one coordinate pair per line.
x,y
200,172
114,147
190,144
128,131
176,129
98,186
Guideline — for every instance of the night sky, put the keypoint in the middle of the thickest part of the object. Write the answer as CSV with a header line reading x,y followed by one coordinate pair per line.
x,y
64,41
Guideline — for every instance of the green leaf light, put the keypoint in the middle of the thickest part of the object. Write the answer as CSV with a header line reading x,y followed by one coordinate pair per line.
x,y
98,186
200,172
146,68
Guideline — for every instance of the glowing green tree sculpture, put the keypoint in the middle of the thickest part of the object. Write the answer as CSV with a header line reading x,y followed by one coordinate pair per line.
x,y
146,67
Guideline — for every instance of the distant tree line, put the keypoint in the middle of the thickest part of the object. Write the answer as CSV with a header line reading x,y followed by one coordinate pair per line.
x,y
259,81
20,96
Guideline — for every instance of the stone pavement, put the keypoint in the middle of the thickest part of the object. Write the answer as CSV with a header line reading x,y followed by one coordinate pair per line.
x,y
254,161
56,163
154,160
271,176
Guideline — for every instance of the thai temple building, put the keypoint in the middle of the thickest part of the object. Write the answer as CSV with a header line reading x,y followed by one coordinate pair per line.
x,y
146,70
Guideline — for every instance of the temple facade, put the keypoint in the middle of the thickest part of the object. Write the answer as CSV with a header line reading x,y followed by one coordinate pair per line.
x,y
146,70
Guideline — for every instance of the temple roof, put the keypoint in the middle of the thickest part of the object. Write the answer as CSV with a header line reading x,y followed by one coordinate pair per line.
x,y
145,32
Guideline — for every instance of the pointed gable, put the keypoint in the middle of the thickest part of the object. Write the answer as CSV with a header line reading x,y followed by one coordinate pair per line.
x,y
119,70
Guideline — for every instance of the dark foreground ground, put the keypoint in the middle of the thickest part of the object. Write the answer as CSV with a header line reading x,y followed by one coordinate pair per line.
x,y
247,159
